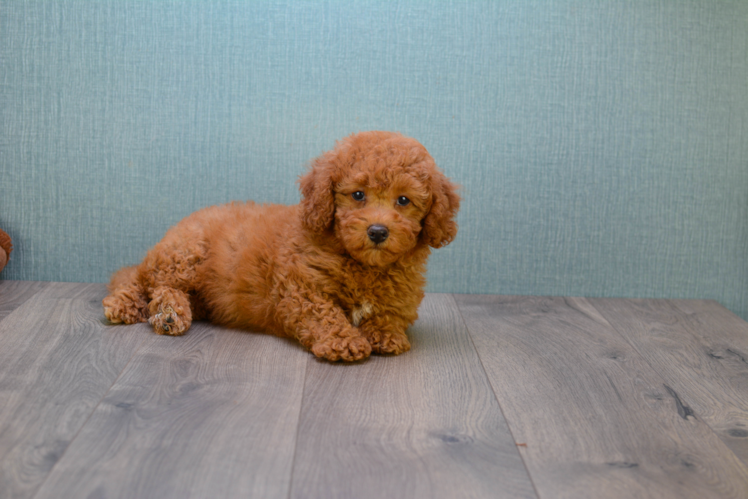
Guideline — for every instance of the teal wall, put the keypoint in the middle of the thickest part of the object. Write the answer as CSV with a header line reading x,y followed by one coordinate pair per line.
x,y
602,146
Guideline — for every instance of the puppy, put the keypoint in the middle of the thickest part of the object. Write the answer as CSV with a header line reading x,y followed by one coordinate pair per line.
x,y
342,272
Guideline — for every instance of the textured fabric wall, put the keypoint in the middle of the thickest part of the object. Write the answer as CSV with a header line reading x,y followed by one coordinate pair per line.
x,y
601,146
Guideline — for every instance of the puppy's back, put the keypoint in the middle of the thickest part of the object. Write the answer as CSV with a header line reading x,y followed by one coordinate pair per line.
x,y
246,243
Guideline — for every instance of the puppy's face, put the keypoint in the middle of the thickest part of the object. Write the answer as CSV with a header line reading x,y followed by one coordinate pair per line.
x,y
378,217
382,195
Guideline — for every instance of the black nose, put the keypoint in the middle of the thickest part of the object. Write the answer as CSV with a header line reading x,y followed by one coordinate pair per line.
x,y
377,233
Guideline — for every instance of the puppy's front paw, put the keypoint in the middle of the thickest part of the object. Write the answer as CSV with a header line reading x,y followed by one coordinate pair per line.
x,y
385,340
167,322
392,345
345,348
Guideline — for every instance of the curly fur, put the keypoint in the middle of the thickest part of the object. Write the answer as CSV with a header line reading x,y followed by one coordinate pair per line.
x,y
6,246
308,271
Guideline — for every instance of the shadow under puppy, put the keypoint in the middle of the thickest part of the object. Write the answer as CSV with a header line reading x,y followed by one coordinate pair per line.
x,y
343,271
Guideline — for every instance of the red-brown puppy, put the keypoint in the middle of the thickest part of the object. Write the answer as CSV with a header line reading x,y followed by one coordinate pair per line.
x,y
342,272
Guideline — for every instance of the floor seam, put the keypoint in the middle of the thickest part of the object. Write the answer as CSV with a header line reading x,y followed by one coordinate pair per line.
x,y
298,427
496,397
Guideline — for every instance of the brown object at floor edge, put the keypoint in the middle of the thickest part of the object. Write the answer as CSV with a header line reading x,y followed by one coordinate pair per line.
x,y
6,246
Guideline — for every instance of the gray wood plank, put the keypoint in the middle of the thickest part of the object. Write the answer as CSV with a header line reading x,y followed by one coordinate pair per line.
x,y
15,293
211,414
422,424
595,418
57,361
700,349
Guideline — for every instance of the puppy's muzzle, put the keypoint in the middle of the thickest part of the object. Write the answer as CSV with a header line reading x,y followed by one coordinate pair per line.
x,y
377,233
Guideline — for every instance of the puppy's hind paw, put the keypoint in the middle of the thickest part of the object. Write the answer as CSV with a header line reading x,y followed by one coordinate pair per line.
x,y
167,322
112,316
342,348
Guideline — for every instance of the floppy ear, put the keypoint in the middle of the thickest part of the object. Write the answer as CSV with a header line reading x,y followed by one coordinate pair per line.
x,y
318,198
439,226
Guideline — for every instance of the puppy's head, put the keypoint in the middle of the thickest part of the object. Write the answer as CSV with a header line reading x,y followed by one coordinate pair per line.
x,y
382,194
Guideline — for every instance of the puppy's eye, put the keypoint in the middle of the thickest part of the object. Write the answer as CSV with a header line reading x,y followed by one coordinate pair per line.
x,y
403,201
358,196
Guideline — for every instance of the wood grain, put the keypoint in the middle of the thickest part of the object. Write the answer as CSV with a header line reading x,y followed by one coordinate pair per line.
x,y
602,398
700,349
15,293
57,361
596,418
422,424
211,414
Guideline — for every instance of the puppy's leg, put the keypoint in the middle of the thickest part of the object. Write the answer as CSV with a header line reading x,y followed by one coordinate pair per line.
x,y
169,310
323,328
386,334
126,302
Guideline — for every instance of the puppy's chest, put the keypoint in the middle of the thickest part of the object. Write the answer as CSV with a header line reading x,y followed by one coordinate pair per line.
x,y
361,312
365,300
362,306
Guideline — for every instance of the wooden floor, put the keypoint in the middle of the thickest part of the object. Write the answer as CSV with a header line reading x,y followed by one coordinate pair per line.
x,y
499,397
